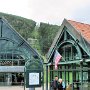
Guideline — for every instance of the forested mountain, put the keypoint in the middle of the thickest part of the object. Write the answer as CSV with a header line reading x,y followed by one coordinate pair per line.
x,y
47,33
40,36
24,26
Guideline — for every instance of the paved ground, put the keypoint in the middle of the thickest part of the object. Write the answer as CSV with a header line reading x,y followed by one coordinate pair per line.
x,y
15,88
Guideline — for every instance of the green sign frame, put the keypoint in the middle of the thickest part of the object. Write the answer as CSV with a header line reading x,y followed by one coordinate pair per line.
x,y
33,78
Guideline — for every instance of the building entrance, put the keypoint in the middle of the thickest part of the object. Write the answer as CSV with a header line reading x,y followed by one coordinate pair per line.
x,y
75,75
17,78
8,79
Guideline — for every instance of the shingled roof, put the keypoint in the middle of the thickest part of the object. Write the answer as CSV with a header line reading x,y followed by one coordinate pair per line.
x,y
83,28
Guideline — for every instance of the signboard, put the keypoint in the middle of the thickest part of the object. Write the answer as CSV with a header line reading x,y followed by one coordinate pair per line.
x,y
11,68
33,78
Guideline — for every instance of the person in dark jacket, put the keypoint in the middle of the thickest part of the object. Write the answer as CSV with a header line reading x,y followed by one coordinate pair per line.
x,y
55,83
60,86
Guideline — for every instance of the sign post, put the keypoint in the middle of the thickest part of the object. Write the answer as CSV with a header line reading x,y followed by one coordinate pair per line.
x,y
33,74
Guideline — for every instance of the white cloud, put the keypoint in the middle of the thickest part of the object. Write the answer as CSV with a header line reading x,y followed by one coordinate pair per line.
x,y
16,7
52,11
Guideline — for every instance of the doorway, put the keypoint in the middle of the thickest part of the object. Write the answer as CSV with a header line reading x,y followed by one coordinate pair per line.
x,y
9,79
17,78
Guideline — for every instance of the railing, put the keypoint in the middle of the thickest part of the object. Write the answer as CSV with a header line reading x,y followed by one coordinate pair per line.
x,y
79,86
76,86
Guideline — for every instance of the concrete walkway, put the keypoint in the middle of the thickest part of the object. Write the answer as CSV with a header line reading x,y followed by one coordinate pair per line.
x,y
16,88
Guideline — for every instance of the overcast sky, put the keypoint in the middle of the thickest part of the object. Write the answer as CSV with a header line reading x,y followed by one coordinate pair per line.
x,y
48,11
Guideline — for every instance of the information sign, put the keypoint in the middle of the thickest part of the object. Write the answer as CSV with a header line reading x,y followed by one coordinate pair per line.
x,y
33,78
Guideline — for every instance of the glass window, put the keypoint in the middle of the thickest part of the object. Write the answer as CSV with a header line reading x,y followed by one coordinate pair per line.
x,y
69,52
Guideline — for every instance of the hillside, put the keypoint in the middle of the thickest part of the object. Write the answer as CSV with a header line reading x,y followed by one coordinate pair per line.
x,y
22,25
39,37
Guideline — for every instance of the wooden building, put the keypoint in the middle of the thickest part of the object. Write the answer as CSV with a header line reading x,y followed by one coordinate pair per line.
x,y
73,43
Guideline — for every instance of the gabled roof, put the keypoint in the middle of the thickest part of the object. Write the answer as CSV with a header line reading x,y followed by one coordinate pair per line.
x,y
83,28
12,41
79,31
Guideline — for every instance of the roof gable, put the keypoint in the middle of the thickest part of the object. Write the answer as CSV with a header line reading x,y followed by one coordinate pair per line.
x,y
12,41
75,29
84,29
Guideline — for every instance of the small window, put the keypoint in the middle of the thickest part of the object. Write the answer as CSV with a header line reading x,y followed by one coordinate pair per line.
x,y
69,53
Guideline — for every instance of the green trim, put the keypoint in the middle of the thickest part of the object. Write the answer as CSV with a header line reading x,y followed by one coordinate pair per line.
x,y
55,43
67,62
74,44
70,62
28,72
77,36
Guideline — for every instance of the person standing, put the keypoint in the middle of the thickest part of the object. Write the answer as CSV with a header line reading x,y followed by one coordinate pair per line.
x,y
54,84
60,86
